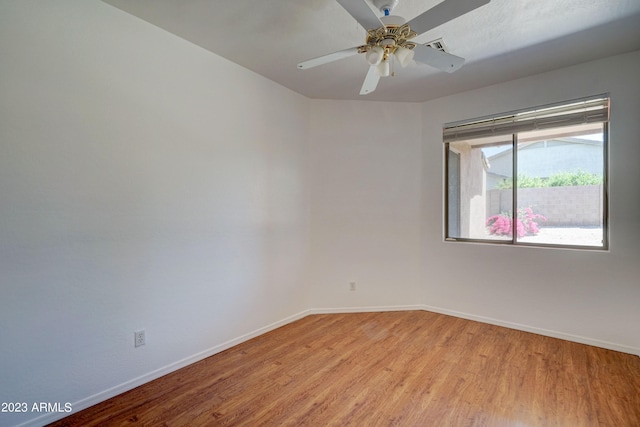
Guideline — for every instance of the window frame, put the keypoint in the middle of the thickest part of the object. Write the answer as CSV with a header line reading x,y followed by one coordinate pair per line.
x,y
513,241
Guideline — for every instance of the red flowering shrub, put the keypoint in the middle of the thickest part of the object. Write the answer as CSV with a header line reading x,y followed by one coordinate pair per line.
x,y
526,223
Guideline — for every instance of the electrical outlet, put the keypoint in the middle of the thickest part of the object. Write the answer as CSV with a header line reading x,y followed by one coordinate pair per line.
x,y
139,338
352,286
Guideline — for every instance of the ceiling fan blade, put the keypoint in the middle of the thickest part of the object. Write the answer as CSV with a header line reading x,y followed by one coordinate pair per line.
x,y
443,12
328,58
362,13
435,58
370,81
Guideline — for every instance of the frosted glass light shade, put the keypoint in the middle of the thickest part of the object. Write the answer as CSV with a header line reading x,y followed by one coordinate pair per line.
x,y
404,56
374,55
383,68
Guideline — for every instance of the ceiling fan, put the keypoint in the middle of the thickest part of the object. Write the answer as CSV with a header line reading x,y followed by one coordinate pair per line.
x,y
388,38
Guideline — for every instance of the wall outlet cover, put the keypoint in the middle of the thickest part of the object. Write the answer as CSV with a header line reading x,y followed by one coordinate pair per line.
x,y
139,338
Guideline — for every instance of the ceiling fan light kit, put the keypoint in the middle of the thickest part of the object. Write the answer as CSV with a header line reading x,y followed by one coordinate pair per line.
x,y
404,56
374,55
388,37
383,68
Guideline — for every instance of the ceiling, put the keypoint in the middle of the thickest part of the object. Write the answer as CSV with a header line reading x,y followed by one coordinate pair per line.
x,y
503,40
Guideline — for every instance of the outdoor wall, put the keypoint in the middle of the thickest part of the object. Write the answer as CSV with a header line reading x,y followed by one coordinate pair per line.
x,y
571,206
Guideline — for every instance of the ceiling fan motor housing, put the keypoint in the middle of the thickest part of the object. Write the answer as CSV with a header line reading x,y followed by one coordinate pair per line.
x,y
390,36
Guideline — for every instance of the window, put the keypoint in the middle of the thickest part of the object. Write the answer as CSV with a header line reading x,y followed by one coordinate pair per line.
x,y
548,166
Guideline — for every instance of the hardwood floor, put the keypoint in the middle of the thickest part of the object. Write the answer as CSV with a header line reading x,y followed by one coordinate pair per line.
x,y
411,368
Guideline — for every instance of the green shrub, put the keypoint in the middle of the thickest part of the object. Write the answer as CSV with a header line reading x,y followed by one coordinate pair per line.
x,y
560,179
564,179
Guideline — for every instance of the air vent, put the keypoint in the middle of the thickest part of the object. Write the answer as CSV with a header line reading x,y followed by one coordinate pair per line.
x,y
438,44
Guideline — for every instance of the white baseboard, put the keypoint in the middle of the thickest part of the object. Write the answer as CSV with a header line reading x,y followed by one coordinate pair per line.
x,y
128,385
143,379
365,309
511,325
545,332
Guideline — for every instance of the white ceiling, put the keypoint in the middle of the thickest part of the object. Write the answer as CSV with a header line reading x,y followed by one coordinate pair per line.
x,y
503,40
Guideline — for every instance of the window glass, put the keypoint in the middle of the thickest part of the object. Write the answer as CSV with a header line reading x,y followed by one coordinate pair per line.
x,y
560,187
540,187
469,179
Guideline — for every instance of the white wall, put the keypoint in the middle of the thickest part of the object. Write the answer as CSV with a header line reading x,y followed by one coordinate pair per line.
x,y
365,162
590,296
371,167
144,183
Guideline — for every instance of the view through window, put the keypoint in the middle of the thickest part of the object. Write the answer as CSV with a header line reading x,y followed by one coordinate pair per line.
x,y
533,178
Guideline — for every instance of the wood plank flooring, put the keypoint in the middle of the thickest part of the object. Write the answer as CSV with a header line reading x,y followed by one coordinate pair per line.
x,y
411,368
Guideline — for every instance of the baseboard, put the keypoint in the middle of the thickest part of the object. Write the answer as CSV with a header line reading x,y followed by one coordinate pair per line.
x,y
129,385
540,331
143,379
365,309
511,325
